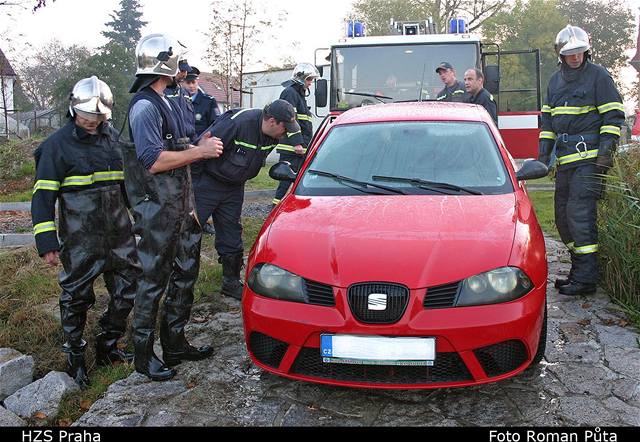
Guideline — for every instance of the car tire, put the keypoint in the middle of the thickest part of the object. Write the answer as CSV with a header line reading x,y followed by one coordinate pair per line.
x,y
542,342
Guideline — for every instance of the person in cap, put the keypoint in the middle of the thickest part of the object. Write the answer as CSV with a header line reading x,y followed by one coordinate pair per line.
x,y
159,188
581,118
477,94
249,135
205,107
80,167
180,96
453,90
293,146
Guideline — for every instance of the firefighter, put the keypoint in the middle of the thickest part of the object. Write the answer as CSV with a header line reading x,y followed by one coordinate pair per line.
x,y
581,118
293,147
477,94
205,107
249,135
80,167
182,98
158,182
454,89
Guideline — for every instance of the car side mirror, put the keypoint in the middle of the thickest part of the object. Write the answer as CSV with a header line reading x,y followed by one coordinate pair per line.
x,y
321,92
282,171
531,170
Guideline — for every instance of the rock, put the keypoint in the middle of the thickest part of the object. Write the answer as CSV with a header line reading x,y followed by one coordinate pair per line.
x,y
9,419
44,395
16,371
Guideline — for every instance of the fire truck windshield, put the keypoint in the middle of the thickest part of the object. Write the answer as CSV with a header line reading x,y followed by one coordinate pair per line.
x,y
359,74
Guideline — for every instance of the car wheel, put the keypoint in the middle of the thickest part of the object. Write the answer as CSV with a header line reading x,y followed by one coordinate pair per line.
x,y
542,343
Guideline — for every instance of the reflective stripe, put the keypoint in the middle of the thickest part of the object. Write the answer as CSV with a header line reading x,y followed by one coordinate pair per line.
x,y
615,105
578,156
289,148
585,250
546,109
304,117
242,143
46,185
242,111
48,226
290,134
271,146
547,135
275,201
572,110
86,180
615,130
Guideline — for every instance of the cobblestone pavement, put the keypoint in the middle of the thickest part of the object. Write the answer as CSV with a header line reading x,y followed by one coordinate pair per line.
x,y
591,376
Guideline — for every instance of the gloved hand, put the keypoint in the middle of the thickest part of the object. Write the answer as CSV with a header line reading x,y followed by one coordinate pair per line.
x,y
545,147
605,155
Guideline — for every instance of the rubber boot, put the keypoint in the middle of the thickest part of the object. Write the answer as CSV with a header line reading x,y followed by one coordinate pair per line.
x,y
231,284
107,351
76,367
176,349
560,282
578,288
150,365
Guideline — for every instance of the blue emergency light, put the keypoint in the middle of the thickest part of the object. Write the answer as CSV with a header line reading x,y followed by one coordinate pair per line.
x,y
355,28
457,26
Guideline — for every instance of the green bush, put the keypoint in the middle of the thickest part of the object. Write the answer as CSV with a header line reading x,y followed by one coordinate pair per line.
x,y
620,233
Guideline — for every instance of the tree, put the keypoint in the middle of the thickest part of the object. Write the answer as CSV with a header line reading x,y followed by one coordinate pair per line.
x,y
125,25
610,24
237,29
377,14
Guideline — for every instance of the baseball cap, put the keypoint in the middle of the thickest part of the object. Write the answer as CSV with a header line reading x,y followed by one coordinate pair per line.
x,y
193,74
444,65
283,111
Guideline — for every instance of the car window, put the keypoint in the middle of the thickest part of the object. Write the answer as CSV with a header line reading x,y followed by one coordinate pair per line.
x,y
457,153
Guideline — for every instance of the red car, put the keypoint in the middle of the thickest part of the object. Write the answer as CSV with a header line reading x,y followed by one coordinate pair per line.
x,y
407,254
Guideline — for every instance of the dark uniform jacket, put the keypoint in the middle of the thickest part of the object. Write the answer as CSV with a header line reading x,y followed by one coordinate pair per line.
x,y
182,99
245,146
457,93
205,109
485,99
294,94
71,161
581,104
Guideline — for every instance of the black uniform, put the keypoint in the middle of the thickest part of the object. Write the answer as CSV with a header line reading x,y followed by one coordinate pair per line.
x,y
179,96
484,99
169,246
581,118
205,109
84,173
219,189
456,93
294,94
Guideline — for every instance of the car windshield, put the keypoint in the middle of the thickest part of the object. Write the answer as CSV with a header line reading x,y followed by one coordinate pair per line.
x,y
443,158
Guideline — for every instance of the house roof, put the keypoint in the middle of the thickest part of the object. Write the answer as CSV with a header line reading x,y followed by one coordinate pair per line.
x,y
213,84
5,67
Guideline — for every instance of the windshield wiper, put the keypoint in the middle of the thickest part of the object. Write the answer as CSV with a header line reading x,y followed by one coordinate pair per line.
x,y
364,94
426,184
357,182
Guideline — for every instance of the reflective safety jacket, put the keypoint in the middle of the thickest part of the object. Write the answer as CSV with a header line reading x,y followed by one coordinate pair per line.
x,y
70,162
456,93
485,99
183,100
245,146
205,109
294,94
582,105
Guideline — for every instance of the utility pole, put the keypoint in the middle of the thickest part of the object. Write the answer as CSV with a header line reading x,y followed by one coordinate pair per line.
x,y
635,62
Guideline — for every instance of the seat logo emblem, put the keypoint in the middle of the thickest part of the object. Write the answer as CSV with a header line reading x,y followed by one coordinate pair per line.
x,y
377,301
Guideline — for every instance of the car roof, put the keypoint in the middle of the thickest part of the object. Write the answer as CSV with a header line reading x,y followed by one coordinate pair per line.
x,y
414,111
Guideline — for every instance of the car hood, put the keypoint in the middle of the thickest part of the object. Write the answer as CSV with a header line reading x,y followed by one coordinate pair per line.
x,y
419,241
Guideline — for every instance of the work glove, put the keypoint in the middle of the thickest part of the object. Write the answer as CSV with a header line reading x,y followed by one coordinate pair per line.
x,y
545,147
605,155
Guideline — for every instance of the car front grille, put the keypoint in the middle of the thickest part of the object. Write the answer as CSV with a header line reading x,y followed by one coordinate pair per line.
x,y
441,296
396,302
501,358
266,349
319,294
448,367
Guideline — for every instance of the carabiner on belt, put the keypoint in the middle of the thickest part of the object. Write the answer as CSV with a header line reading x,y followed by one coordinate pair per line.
x,y
583,153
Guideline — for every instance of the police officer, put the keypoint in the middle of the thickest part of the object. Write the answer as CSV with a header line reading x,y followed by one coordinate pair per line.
x,y
454,89
159,188
248,136
581,118
80,167
181,97
293,147
205,107
477,94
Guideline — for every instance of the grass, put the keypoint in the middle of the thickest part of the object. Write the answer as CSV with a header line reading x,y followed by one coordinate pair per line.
x,y
263,181
543,203
20,196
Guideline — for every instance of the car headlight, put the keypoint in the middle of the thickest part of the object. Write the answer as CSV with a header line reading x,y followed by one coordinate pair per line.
x,y
273,282
499,285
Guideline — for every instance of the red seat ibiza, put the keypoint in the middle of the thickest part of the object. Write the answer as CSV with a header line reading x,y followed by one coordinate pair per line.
x,y
407,254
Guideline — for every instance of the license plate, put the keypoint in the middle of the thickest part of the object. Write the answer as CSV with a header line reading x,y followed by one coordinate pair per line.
x,y
377,350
